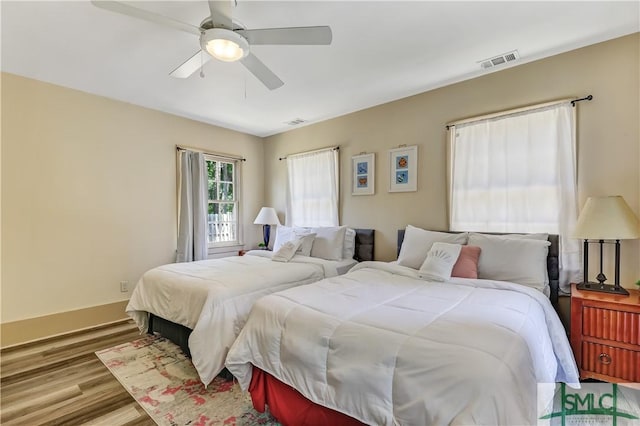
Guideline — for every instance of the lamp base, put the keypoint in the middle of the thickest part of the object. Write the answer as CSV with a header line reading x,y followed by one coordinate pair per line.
x,y
603,288
266,233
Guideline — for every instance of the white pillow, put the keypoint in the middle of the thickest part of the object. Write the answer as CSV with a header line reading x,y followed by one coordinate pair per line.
x,y
286,251
517,260
439,262
306,244
283,234
417,243
328,243
349,249
288,233
541,237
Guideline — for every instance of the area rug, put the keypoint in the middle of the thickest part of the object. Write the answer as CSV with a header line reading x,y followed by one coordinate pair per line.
x,y
164,382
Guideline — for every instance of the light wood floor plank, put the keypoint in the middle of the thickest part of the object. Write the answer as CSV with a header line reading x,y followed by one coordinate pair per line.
x,y
60,381
76,410
118,417
48,382
33,404
34,348
22,369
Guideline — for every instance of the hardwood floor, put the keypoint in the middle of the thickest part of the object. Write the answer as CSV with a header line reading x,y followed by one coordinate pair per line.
x,y
61,381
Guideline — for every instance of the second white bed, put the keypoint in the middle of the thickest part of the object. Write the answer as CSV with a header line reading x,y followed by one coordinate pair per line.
x,y
213,297
385,347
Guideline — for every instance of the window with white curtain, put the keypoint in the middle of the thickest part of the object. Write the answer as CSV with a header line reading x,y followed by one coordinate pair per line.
x,y
312,189
517,173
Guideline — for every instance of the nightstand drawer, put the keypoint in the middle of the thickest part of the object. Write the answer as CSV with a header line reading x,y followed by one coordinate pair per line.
x,y
611,361
611,324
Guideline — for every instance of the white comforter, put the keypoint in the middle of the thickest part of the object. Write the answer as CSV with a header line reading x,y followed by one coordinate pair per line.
x,y
387,348
214,297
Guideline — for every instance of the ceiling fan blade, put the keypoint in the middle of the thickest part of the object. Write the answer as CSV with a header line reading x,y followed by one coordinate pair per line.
x,y
191,65
126,9
221,13
262,73
293,35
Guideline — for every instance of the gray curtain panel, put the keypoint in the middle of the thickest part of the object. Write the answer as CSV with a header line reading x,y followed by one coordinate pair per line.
x,y
192,221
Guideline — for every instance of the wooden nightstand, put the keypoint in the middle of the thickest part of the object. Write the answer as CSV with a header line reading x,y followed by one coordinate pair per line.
x,y
605,335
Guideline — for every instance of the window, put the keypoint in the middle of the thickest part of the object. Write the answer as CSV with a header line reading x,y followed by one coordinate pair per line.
x,y
516,172
222,209
312,190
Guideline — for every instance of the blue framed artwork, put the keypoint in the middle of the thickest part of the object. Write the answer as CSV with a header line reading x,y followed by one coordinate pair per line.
x,y
363,174
403,167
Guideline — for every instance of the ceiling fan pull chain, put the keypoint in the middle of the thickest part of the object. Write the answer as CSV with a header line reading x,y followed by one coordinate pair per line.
x,y
201,65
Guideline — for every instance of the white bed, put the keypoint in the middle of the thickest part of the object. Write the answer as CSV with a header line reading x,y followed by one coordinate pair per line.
x,y
213,297
385,347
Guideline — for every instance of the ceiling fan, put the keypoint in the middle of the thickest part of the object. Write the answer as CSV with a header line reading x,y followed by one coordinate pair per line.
x,y
227,41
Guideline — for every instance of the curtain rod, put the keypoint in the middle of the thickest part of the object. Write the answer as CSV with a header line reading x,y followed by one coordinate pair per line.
x,y
329,148
516,111
215,154
586,98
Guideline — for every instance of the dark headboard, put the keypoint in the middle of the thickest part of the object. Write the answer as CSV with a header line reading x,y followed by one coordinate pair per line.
x,y
364,244
553,264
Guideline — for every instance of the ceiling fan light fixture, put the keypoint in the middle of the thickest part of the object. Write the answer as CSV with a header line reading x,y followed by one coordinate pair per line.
x,y
224,44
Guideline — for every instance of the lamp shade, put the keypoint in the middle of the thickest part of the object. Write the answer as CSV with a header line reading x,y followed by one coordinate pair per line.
x,y
267,216
607,218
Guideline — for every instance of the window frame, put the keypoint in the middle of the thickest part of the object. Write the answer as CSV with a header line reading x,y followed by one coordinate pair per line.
x,y
451,152
324,198
214,246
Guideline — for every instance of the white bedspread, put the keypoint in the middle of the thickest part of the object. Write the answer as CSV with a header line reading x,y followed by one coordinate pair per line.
x,y
387,348
214,297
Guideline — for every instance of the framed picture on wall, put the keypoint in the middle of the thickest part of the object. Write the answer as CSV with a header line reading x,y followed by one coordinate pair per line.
x,y
403,169
364,166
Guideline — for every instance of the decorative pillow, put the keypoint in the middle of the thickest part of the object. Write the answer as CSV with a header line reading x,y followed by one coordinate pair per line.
x,y
517,260
288,233
328,243
306,243
349,249
439,261
283,234
286,251
417,243
467,264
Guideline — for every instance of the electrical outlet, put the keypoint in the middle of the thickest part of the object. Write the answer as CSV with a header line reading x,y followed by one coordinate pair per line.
x,y
124,286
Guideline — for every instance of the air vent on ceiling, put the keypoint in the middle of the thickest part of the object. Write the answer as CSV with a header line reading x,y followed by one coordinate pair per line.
x,y
295,122
499,60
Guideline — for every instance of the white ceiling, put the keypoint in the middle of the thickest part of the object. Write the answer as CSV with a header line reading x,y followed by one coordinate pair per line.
x,y
381,51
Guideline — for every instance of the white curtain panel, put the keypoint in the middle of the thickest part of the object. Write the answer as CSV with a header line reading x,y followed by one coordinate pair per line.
x,y
517,173
312,190
192,217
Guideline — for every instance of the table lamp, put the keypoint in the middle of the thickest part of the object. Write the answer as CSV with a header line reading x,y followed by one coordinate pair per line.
x,y
605,218
266,218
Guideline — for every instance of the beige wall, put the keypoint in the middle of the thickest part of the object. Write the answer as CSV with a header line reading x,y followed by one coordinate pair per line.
x,y
608,140
89,185
89,194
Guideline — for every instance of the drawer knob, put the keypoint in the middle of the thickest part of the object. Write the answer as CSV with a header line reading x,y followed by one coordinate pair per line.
x,y
605,358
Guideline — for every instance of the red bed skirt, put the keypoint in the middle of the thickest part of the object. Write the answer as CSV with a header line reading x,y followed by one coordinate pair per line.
x,y
288,405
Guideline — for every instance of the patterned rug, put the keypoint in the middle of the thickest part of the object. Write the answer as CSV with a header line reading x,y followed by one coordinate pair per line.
x,y
165,383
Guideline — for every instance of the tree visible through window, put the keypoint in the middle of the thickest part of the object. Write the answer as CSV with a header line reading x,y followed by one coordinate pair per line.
x,y
222,214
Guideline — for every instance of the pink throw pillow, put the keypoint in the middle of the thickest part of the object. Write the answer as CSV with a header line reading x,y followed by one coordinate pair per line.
x,y
467,264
